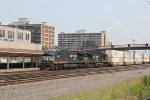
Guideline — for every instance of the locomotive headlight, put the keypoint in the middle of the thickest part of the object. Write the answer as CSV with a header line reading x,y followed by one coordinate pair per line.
x,y
75,55
58,56
71,55
96,56
93,56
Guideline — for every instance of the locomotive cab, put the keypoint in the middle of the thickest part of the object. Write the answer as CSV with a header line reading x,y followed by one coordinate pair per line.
x,y
48,58
50,55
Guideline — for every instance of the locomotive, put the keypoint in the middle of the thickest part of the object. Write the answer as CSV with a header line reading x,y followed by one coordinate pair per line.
x,y
58,59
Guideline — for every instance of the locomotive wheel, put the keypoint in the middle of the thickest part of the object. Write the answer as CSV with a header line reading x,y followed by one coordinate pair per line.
x,y
46,68
62,67
92,65
41,68
95,65
79,65
87,65
104,65
110,65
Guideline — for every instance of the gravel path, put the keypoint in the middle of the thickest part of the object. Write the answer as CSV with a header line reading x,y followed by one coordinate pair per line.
x,y
43,90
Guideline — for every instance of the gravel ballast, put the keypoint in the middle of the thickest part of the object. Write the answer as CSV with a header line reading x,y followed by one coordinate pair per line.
x,y
45,89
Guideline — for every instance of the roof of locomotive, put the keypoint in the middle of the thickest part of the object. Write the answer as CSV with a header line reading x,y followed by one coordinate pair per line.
x,y
88,54
51,52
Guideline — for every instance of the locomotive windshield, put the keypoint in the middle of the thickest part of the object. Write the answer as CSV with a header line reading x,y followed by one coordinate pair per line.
x,y
49,55
51,52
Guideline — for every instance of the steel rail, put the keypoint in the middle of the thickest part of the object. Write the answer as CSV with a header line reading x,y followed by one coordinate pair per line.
x,y
17,78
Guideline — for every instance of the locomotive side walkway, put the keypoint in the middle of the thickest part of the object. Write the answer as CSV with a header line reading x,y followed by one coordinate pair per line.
x,y
43,90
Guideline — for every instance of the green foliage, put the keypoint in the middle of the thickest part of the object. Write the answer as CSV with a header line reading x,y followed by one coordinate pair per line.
x,y
145,86
133,89
44,47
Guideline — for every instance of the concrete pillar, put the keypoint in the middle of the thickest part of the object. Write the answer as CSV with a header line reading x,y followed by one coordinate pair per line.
x,y
36,61
7,62
23,62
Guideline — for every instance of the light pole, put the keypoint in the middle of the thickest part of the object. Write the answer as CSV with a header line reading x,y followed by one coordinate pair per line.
x,y
134,50
82,36
109,44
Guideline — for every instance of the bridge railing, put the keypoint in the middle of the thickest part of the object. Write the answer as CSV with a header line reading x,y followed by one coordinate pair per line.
x,y
129,45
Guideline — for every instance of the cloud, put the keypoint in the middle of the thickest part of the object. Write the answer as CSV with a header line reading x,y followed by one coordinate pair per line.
x,y
114,25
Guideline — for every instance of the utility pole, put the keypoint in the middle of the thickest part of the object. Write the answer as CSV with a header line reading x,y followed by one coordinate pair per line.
x,y
82,37
134,50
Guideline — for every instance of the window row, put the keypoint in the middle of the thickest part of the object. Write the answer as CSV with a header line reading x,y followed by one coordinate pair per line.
x,y
11,35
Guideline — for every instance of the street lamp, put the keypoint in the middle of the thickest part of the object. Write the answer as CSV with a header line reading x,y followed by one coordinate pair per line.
x,y
82,37
134,50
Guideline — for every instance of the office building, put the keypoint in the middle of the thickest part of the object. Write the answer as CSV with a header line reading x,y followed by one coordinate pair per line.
x,y
80,40
40,33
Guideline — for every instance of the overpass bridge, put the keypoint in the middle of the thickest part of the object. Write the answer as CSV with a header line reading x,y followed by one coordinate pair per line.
x,y
126,47
145,46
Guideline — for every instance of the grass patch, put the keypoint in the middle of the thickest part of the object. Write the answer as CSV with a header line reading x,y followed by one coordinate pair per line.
x,y
132,89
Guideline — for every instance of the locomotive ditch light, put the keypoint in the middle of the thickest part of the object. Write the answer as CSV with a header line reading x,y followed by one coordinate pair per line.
x,y
94,57
71,55
58,56
75,55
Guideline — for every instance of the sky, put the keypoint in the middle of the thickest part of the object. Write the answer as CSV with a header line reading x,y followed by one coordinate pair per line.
x,y
123,20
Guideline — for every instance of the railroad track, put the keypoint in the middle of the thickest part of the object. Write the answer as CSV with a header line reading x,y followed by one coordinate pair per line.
x,y
17,78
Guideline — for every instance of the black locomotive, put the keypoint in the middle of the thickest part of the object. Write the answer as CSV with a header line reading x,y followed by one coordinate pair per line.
x,y
58,59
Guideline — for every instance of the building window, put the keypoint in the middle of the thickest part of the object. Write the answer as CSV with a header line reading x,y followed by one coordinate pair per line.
x,y
1,33
20,36
27,36
10,35
13,34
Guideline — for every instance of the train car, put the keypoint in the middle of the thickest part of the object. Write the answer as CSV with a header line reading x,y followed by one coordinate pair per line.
x,y
145,58
128,58
138,58
115,57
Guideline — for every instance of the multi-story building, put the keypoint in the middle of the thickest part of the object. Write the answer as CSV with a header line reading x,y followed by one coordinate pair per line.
x,y
16,47
40,33
81,40
16,38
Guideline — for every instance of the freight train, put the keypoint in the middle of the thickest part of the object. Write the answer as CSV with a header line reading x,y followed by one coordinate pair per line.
x,y
58,59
